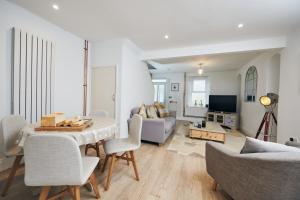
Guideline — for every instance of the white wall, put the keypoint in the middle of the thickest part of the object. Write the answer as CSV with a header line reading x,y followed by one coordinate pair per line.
x,y
137,87
220,83
289,90
68,60
268,71
107,53
134,86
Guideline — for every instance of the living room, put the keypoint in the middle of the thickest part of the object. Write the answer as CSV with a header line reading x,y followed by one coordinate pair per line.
x,y
149,99
223,74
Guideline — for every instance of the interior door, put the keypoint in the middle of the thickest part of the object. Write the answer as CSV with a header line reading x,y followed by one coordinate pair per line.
x,y
104,89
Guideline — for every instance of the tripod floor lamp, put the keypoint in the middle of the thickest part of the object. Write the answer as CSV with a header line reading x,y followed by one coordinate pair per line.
x,y
269,101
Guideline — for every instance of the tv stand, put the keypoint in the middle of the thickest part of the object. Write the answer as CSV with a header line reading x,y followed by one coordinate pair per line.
x,y
224,119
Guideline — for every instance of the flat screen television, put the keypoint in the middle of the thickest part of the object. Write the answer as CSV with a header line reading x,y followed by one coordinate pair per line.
x,y
222,103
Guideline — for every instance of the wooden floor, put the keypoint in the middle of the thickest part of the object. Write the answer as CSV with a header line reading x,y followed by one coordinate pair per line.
x,y
164,175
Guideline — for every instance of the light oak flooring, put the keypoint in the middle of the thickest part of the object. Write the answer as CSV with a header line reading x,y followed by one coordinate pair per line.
x,y
164,175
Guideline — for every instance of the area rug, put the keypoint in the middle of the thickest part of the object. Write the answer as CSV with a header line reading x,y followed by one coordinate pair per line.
x,y
182,144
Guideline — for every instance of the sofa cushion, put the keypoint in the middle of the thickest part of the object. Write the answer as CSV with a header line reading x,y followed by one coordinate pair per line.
x,y
257,146
159,105
142,111
151,112
163,112
169,123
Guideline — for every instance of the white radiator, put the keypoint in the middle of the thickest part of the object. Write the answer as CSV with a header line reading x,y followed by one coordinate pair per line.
x,y
32,75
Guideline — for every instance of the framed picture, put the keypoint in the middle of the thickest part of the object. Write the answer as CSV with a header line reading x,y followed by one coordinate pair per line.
x,y
175,87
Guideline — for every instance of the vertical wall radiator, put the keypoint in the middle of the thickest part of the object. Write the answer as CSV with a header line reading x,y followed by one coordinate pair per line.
x,y
32,75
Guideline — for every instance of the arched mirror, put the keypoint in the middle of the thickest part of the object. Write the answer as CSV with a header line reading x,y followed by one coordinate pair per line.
x,y
251,84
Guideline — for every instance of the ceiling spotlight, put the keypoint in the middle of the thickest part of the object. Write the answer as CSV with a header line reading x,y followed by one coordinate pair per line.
x,y
166,37
55,7
240,25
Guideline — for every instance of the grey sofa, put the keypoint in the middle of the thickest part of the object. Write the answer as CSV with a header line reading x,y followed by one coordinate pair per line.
x,y
259,176
157,130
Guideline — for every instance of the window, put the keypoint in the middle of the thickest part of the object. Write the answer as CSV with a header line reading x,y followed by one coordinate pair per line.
x,y
159,90
251,84
198,92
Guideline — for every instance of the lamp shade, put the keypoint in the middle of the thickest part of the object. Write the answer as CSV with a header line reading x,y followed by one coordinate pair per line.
x,y
265,100
268,99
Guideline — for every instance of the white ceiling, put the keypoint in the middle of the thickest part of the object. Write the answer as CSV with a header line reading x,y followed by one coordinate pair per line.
x,y
187,22
211,63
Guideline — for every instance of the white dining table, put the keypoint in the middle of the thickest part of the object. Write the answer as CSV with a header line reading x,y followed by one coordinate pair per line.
x,y
101,129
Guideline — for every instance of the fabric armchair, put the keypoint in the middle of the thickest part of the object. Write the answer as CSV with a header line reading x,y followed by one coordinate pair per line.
x,y
260,176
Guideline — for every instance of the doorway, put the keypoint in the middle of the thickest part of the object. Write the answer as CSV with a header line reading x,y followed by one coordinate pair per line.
x,y
103,90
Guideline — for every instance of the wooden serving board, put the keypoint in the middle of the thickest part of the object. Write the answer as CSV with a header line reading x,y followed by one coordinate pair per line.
x,y
65,128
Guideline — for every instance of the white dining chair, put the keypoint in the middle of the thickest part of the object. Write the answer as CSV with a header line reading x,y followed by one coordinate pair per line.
x,y
96,146
99,113
127,146
55,160
10,130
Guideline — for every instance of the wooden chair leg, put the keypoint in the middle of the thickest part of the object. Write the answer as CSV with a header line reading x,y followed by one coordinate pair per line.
x,y
112,163
77,192
134,166
214,185
127,156
44,193
105,162
98,153
94,184
97,149
12,174
71,191
86,149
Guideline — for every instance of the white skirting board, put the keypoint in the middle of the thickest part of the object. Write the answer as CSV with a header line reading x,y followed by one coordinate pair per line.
x,y
32,75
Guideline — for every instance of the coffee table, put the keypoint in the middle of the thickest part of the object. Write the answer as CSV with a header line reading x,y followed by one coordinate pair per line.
x,y
213,131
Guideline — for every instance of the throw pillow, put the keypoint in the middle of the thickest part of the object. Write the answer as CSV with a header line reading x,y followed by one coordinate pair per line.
x,y
163,112
159,105
142,111
151,112
257,146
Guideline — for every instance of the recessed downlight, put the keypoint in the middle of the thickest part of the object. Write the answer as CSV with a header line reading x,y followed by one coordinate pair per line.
x,y
166,36
240,25
55,7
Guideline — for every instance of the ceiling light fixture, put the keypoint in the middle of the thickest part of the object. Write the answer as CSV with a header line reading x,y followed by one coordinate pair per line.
x,y
166,37
55,7
240,25
200,70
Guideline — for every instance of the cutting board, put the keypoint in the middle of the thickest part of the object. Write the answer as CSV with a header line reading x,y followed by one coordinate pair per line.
x,y
87,124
